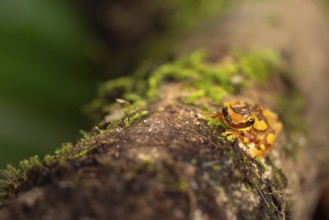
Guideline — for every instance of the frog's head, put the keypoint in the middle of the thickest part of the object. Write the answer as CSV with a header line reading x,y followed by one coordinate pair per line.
x,y
238,115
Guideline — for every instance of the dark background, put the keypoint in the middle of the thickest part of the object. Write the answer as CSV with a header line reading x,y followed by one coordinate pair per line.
x,y
46,76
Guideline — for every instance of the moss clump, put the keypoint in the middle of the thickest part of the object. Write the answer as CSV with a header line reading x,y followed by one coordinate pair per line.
x,y
82,153
27,164
207,81
258,64
211,121
261,163
182,186
214,81
61,154
193,97
216,168
130,119
64,150
68,151
9,178
202,79
49,160
128,89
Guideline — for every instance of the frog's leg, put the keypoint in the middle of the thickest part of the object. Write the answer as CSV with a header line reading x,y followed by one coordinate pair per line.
x,y
255,153
251,141
248,137
267,139
217,115
230,134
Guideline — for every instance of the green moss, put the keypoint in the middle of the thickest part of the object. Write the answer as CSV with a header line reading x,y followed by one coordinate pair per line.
x,y
10,172
202,79
62,154
216,93
85,135
205,108
177,71
11,177
130,119
149,166
128,89
258,64
196,74
135,107
64,150
194,97
114,86
82,153
27,164
182,186
261,163
211,121
213,81
8,176
193,161
49,160
216,168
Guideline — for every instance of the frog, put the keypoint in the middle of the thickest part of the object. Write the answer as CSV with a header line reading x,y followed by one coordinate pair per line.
x,y
254,126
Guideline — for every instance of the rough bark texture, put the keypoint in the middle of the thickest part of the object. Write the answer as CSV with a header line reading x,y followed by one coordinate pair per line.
x,y
172,165
169,165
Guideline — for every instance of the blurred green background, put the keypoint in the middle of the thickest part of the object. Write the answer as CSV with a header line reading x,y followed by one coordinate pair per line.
x,y
45,77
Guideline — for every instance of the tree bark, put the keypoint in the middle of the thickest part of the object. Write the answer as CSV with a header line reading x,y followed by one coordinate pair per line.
x,y
168,163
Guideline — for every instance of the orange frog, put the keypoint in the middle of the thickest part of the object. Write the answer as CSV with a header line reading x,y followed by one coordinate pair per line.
x,y
255,127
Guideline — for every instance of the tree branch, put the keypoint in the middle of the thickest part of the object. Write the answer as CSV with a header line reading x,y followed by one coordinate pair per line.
x,y
164,156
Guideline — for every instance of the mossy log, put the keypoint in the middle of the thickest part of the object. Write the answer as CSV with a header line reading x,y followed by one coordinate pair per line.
x,y
159,154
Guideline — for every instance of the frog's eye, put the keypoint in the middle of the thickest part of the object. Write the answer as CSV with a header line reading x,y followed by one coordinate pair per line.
x,y
250,122
225,112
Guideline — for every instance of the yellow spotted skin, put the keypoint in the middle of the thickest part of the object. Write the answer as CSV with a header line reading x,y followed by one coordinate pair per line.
x,y
251,124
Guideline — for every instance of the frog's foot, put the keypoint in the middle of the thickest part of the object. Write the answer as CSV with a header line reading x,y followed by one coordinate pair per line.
x,y
251,149
253,153
215,115
230,135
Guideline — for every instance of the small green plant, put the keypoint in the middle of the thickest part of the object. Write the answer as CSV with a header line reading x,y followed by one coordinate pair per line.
x,y
82,153
214,81
64,150
258,64
8,176
130,119
26,164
